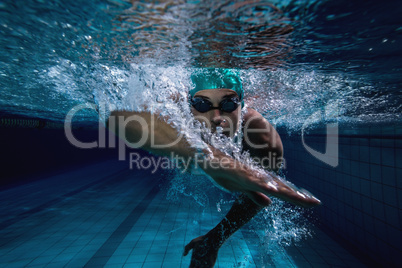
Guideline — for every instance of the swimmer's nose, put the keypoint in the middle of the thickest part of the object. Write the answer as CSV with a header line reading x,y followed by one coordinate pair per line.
x,y
217,118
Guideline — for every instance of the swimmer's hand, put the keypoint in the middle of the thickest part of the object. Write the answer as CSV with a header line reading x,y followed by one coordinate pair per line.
x,y
237,177
205,251
234,176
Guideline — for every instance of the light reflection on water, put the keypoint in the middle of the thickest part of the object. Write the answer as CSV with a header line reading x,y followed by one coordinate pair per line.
x,y
297,56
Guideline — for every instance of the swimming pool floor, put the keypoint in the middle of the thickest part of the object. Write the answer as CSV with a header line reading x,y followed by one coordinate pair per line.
x,y
105,215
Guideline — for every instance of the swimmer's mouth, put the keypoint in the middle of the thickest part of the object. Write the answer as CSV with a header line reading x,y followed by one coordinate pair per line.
x,y
222,130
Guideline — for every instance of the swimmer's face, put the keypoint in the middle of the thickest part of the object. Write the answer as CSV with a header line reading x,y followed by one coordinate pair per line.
x,y
229,121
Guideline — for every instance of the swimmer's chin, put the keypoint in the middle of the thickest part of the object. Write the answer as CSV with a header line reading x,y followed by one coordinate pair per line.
x,y
225,133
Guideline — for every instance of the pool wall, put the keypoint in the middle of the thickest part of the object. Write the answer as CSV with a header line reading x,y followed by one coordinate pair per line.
x,y
31,153
362,196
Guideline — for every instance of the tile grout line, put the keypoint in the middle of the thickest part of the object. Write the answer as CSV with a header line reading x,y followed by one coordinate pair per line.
x,y
53,201
111,244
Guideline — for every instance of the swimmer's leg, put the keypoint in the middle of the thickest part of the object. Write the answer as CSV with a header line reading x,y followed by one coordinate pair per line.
x,y
205,248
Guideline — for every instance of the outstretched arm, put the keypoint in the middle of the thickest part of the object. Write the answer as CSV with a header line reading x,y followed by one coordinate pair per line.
x,y
263,142
138,128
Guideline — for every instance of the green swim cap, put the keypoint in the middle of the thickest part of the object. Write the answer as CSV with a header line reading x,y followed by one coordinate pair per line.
x,y
214,78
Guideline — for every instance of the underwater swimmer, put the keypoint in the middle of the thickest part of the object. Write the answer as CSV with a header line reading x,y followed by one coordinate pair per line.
x,y
216,101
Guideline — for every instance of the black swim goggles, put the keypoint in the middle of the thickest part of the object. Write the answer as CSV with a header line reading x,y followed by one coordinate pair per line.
x,y
227,105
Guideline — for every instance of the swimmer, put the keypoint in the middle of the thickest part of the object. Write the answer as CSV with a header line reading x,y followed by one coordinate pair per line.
x,y
216,100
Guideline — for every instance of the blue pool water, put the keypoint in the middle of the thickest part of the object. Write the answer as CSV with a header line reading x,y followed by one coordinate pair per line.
x,y
107,215
305,65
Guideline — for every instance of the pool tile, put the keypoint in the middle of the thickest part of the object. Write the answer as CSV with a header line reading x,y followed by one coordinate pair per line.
x,y
157,238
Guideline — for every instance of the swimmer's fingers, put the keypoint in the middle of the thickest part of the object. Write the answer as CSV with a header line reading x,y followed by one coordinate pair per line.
x,y
188,247
259,198
193,243
289,193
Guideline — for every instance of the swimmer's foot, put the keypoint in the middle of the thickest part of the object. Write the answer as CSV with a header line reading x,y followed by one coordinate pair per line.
x,y
204,254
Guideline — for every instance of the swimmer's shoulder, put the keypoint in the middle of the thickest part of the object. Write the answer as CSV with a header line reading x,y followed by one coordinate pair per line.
x,y
252,117
265,134
250,113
